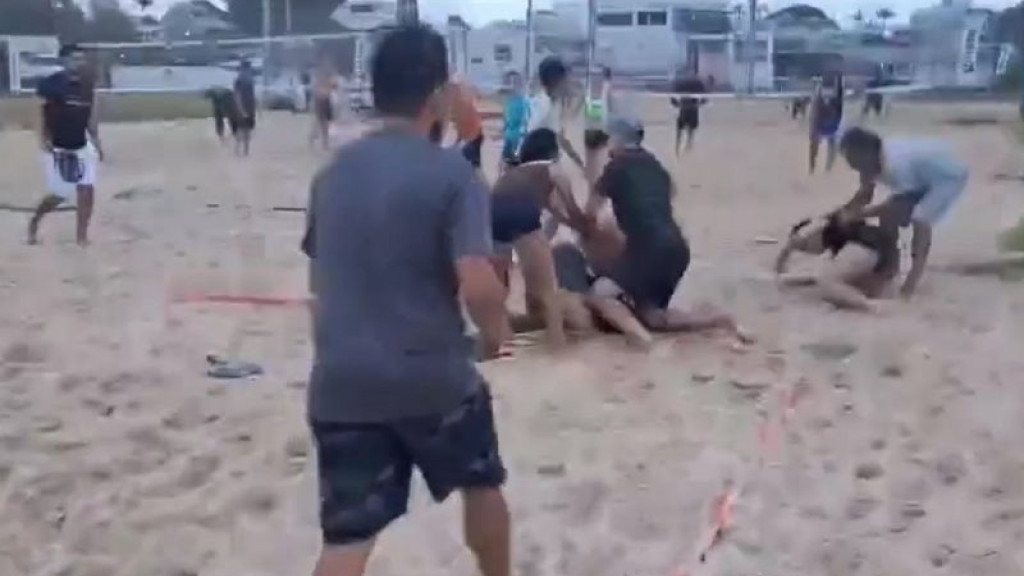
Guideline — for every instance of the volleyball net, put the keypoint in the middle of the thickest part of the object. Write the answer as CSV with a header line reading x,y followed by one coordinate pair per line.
x,y
281,65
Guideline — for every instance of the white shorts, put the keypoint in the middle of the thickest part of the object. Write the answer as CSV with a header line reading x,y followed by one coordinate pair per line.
x,y
937,201
55,184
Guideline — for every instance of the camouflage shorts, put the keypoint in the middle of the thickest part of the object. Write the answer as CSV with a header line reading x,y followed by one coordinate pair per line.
x,y
365,469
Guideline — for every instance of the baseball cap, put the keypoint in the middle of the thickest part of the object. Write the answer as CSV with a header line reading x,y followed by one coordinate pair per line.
x,y
625,130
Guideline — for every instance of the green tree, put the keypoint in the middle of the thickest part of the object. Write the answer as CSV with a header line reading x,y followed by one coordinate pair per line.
x,y
27,17
108,23
884,15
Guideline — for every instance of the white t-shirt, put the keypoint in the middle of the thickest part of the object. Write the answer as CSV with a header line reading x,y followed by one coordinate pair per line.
x,y
545,113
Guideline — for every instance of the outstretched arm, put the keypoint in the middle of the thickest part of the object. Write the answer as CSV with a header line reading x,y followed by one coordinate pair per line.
x,y
566,145
863,197
561,202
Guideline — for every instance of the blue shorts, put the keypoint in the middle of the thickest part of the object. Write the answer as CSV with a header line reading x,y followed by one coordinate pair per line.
x,y
366,470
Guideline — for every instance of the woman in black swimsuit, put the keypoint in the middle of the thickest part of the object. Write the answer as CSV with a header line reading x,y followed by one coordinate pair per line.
x,y
857,279
521,197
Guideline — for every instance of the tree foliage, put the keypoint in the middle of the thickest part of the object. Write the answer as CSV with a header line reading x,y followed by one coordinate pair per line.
x,y
27,17
65,19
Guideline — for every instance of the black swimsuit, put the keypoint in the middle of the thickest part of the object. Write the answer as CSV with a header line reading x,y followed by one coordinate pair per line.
x,y
516,206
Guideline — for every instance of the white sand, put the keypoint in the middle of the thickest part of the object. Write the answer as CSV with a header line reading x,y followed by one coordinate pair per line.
x,y
119,457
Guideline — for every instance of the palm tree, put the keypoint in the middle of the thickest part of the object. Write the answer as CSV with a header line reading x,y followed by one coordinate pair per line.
x,y
858,17
884,15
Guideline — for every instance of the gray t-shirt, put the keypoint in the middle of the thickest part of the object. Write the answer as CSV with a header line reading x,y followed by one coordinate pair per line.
x,y
388,218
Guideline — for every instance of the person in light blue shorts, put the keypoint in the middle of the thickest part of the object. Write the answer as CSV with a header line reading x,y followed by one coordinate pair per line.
x,y
926,180
517,117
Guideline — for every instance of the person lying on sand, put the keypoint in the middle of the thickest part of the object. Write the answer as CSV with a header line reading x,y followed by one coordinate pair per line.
x,y
520,198
925,178
865,260
655,254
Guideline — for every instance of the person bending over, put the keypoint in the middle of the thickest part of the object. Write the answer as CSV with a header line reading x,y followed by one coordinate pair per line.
x,y
925,178
518,202
656,254
865,260
399,236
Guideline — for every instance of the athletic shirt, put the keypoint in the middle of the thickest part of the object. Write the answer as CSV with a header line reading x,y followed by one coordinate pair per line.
x,y
830,106
532,180
640,190
468,124
517,116
67,109
911,165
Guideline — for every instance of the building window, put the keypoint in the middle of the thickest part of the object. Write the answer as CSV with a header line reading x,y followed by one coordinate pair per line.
x,y
615,19
502,53
652,18
476,60
362,8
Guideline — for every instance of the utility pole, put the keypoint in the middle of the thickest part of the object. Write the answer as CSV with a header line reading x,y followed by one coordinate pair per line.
x,y
265,81
751,45
408,12
528,73
288,16
591,44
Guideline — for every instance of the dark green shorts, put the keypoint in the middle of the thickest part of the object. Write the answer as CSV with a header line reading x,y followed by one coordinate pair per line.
x,y
365,469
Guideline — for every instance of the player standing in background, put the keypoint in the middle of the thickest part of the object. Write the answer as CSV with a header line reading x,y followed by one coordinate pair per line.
x,y
826,117
517,117
547,110
325,83
223,102
69,136
688,120
245,106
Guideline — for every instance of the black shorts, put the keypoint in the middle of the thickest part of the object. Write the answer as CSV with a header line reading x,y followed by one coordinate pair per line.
x,y
514,216
649,274
873,103
365,470
473,150
243,123
688,120
324,109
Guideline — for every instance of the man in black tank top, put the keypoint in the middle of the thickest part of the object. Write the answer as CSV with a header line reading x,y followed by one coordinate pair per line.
x,y
656,254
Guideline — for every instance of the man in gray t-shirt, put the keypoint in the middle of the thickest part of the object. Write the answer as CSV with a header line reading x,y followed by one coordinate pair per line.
x,y
398,229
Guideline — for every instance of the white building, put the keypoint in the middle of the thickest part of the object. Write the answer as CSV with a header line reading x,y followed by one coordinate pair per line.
x,y
955,45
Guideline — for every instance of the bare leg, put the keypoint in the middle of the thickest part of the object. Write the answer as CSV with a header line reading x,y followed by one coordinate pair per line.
x,y
830,154
842,295
679,138
86,196
344,560
672,320
620,317
47,205
578,318
538,268
690,134
487,529
813,158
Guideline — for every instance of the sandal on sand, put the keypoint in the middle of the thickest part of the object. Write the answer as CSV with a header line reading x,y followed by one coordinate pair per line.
x,y
225,369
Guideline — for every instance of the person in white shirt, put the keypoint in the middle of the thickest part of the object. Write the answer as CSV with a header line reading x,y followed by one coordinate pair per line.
x,y
546,108
925,178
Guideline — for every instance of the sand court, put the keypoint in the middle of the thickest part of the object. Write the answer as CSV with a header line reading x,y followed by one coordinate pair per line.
x,y
850,444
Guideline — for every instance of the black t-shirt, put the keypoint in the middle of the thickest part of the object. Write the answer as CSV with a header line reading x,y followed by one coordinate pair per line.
x,y
67,109
689,86
245,88
640,190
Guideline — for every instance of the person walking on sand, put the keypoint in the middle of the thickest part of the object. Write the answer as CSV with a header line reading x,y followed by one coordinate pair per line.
x,y
325,85
688,118
925,177
69,137
245,107
826,117
393,386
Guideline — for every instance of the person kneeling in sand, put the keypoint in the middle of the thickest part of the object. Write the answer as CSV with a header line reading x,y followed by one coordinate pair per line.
x,y
655,254
518,202
865,260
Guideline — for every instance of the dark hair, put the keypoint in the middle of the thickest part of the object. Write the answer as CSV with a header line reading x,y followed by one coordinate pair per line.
x,y
606,72
552,71
69,49
834,237
244,65
595,139
411,63
861,139
541,144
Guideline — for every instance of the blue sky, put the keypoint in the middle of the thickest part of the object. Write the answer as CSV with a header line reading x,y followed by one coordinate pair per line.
x,y
480,11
